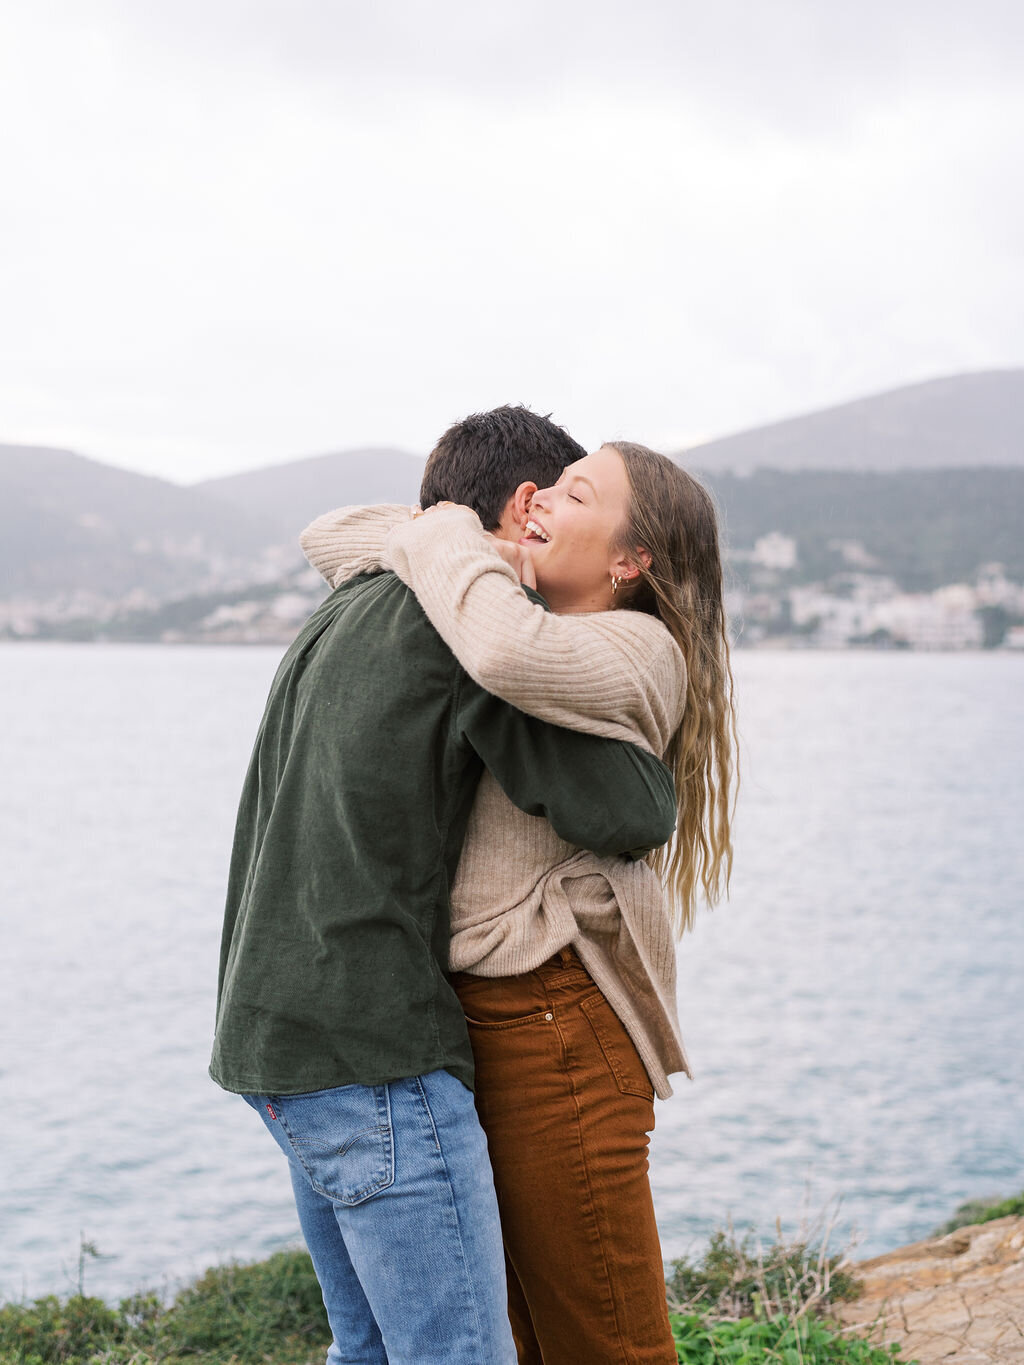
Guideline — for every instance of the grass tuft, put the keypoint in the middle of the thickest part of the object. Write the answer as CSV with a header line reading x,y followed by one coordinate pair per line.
x,y
743,1303
771,1341
982,1211
268,1313
49,1332
737,1277
247,1309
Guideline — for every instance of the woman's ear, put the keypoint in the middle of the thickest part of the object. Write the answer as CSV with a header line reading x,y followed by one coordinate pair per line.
x,y
626,567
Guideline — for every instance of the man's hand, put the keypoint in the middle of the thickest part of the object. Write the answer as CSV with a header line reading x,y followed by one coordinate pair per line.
x,y
518,556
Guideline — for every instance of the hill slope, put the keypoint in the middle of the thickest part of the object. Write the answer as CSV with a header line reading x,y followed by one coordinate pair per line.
x,y
68,521
962,422
288,496
929,479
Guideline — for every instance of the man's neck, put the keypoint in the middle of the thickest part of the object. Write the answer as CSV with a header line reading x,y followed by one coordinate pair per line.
x,y
508,529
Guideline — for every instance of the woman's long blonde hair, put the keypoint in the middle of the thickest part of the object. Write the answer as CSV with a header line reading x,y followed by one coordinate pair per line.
x,y
673,518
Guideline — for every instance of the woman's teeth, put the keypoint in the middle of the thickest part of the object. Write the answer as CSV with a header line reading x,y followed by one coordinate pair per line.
x,y
538,531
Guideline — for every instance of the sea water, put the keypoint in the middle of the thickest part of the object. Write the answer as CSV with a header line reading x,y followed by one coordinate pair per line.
x,y
854,1013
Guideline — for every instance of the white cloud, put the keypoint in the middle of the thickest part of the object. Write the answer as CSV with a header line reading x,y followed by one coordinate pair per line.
x,y
273,232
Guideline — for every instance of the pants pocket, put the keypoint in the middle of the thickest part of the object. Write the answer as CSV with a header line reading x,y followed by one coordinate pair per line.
x,y
517,1021
342,1139
622,1057
500,1002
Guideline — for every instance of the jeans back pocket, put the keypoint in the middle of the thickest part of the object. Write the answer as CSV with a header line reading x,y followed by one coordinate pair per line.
x,y
342,1139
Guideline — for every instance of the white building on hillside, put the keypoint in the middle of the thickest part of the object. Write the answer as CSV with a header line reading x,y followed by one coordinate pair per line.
x,y
945,619
775,551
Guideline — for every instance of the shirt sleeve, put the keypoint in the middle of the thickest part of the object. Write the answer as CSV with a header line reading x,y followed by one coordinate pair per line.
x,y
600,794
350,540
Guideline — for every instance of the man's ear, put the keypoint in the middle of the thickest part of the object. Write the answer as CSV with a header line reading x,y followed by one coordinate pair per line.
x,y
517,509
521,500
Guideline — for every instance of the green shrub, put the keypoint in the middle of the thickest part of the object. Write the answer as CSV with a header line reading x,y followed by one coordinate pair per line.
x,y
257,1314
771,1341
48,1332
249,1310
982,1211
737,1277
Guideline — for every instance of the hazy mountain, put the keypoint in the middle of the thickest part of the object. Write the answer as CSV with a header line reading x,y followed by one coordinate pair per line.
x,y
290,495
68,521
964,422
71,523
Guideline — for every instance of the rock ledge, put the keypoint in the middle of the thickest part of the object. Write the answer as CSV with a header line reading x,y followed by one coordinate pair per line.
x,y
957,1299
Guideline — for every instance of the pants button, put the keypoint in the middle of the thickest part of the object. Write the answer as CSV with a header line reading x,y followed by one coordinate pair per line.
x,y
549,1015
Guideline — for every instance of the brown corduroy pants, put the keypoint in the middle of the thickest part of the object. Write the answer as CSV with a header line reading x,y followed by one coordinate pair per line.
x,y
567,1108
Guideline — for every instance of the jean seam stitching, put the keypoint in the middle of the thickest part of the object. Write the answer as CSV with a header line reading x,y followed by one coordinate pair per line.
x,y
590,1196
382,1094
455,1208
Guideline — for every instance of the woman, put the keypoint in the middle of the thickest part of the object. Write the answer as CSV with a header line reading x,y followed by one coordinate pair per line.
x,y
569,984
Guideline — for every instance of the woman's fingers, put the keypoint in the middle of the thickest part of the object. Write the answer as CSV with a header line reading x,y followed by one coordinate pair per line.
x,y
527,572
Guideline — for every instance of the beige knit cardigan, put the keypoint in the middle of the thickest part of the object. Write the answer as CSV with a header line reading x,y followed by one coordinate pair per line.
x,y
521,893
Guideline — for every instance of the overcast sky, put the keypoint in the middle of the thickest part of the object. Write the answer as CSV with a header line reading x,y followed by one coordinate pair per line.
x,y
238,231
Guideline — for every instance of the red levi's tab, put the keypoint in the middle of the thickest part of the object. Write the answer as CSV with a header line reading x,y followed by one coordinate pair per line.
x,y
270,1111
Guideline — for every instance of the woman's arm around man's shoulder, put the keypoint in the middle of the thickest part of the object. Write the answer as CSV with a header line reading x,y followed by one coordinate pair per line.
x,y
613,673
350,540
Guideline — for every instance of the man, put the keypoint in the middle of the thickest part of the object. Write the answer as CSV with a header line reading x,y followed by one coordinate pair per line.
x,y
335,1018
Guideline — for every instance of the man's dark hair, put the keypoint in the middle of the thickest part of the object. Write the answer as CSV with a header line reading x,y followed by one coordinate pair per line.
x,y
483,459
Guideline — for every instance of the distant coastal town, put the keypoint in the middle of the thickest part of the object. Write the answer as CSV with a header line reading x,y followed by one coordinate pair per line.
x,y
862,608
892,522
769,608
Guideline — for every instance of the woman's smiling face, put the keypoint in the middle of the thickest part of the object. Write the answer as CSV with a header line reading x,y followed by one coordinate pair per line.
x,y
572,533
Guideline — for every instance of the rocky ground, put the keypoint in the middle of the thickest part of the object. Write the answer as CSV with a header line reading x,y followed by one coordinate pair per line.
x,y
958,1299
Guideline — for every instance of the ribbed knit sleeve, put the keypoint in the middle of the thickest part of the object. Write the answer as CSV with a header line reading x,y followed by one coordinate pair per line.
x,y
350,540
521,893
614,673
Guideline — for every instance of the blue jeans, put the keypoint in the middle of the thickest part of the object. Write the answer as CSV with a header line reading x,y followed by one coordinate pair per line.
x,y
396,1201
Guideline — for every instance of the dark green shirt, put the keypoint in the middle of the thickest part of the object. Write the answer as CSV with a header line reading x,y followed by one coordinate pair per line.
x,y
349,830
